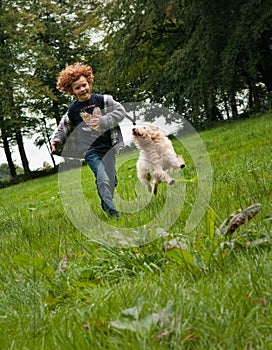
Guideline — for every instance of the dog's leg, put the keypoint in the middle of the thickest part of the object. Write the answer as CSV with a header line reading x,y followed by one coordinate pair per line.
x,y
162,176
174,161
144,177
155,185
180,162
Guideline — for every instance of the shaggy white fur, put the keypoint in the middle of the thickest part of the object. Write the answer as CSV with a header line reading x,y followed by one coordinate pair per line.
x,y
157,156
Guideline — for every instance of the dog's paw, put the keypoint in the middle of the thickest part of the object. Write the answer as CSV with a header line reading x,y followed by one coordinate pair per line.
x,y
172,181
149,188
181,162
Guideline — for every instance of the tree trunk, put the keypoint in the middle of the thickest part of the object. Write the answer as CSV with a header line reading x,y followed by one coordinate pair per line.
x,y
234,109
47,141
226,106
11,165
250,97
21,148
211,109
12,168
56,111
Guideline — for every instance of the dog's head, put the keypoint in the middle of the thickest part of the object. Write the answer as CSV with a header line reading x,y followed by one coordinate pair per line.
x,y
147,132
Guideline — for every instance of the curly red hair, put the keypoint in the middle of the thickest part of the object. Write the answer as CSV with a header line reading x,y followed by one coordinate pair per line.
x,y
71,74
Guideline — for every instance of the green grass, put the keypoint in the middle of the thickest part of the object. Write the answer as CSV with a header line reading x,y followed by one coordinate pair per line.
x,y
207,291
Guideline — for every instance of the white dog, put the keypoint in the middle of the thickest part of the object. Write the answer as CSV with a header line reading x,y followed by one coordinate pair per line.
x,y
157,156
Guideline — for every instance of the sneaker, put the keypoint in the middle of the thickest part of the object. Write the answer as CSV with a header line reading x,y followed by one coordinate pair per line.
x,y
115,215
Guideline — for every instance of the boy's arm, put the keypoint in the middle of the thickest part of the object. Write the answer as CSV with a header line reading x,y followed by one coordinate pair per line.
x,y
62,132
114,113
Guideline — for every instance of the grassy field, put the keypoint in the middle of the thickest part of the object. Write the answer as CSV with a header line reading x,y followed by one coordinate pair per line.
x,y
182,289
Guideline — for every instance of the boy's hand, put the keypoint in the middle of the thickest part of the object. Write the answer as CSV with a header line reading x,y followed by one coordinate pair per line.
x,y
94,123
92,120
95,118
54,146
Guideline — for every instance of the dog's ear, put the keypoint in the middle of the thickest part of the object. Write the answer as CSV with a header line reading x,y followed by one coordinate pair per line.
x,y
156,133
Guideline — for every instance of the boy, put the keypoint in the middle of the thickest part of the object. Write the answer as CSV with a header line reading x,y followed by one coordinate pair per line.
x,y
100,135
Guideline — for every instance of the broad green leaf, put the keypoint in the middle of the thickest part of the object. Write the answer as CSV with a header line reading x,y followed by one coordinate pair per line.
x,y
21,260
210,226
180,256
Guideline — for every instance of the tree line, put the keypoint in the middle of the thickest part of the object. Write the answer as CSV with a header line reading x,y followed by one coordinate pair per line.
x,y
207,60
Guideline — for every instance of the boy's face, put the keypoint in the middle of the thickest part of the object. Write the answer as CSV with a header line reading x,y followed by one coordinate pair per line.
x,y
81,89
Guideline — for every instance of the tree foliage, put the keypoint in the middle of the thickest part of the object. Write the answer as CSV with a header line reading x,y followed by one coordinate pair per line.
x,y
37,40
205,60
196,56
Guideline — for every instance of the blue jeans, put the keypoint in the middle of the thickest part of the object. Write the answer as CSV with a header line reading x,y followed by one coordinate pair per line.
x,y
103,166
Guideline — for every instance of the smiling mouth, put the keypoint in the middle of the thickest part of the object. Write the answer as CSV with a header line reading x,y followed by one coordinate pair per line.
x,y
84,95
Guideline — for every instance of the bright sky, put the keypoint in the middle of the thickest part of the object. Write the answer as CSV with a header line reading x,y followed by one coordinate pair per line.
x,y
35,156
